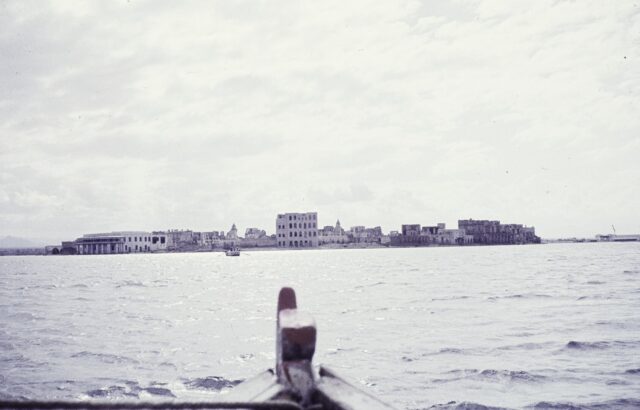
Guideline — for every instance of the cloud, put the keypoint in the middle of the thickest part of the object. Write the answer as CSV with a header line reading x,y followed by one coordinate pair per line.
x,y
149,115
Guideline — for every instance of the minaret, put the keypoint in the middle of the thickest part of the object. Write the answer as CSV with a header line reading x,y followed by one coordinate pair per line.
x,y
338,229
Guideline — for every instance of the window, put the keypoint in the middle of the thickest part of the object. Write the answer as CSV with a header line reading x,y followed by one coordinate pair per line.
x,y
305,225
162,239
289,226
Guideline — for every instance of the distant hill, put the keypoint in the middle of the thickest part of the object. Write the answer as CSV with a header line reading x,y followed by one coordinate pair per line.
x,y
15,242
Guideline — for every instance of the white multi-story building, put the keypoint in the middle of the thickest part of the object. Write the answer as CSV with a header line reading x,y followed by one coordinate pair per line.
x,y
121,242
297,230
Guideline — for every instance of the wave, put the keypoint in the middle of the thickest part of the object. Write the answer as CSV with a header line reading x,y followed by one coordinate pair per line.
x,y
130,283
210,383
617,404
159,391
526,346
465,405
492,375
130,389
444,350
633,371
575,345
520,296
105,357
450,298
517,375
447,350
111,392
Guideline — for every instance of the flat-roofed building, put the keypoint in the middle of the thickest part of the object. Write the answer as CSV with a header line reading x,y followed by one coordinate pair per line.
x,y
297,230
120,242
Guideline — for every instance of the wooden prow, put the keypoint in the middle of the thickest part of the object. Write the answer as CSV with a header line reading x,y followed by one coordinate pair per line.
x,y
295,379
295,346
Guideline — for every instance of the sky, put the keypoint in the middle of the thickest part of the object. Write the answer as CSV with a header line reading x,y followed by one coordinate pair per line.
x,y
153,115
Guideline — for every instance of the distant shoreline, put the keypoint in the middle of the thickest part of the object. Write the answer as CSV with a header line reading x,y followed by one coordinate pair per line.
x,y
41,251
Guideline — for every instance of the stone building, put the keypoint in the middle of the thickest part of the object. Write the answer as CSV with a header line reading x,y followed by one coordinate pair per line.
x,y
254,233
361,234
485,232
440,235
417,235
181,239
297,230
409,235
332,235
211,239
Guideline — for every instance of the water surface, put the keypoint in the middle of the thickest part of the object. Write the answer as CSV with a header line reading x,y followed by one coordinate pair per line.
x,y
509,326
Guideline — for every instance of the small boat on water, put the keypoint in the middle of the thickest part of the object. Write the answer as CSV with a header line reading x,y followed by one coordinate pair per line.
x,y
233,252
294,384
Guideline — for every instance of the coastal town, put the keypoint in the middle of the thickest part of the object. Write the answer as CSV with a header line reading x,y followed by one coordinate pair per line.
x,y
298,231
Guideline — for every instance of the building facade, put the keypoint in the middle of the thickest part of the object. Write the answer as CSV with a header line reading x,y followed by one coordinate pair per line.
x,y
297,230
361,234
439,235
486,232
120,242
332,235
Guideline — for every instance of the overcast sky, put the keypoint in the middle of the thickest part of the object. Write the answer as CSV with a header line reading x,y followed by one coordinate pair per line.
x,y
149,115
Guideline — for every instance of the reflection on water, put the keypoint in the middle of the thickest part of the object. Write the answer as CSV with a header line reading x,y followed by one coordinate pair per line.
x,y
446,327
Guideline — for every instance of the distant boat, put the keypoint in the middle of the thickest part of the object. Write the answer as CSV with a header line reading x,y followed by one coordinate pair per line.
x,y
233,252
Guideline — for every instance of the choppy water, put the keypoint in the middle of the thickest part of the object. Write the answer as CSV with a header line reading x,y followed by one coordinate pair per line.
x,y
548,325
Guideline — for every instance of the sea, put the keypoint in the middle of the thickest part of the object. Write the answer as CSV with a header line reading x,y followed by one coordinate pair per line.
x,y
480,327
